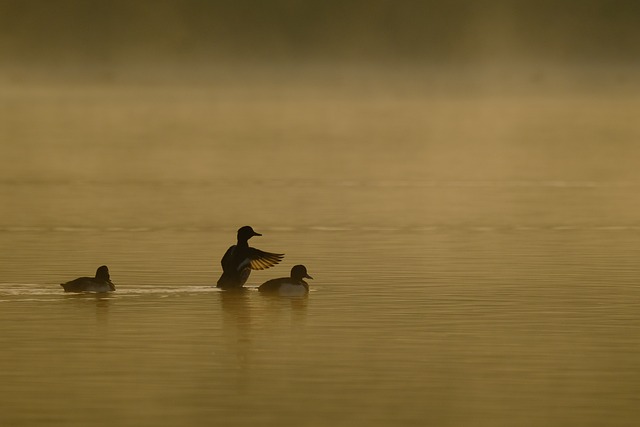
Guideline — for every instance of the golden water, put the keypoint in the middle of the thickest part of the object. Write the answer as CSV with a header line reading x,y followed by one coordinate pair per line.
x,y
475,257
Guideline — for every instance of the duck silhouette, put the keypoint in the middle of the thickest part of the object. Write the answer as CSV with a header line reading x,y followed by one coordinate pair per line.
x,y
290,286
240,259
100,283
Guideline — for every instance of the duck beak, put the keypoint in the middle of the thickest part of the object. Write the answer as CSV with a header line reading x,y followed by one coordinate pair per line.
x,y
255,233
308,277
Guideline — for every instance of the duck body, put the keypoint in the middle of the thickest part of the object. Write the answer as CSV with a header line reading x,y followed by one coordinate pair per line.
x,y
240,259
288,286
284,286
100,283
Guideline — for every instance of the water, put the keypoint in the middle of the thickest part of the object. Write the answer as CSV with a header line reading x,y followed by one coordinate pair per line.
x,y
475,257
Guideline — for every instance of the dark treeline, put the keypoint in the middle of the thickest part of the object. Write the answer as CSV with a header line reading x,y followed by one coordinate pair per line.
x,y
124,30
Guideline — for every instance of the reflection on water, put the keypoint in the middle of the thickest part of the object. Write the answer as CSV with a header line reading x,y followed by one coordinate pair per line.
x,y
475,260
237,324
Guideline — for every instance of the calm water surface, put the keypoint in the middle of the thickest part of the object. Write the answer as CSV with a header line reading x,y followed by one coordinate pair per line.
x,y
475,258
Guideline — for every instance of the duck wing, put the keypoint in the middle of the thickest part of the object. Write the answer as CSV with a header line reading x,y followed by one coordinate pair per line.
x,y
227,259
76,285
260,260
271,285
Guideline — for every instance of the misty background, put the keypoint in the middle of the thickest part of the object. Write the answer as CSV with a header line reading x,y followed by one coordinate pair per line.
x,y
198,72
110,39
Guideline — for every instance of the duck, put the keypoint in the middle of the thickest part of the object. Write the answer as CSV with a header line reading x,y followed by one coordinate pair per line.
x,y
288,286
100,283
240,259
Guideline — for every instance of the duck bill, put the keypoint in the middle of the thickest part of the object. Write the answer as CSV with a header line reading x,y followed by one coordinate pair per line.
x,y
256,234
308,277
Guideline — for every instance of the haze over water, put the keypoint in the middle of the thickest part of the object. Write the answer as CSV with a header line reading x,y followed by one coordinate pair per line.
x,y
461,182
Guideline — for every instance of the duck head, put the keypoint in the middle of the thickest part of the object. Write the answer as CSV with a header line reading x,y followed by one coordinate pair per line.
x,y
299,272
102,273
246,232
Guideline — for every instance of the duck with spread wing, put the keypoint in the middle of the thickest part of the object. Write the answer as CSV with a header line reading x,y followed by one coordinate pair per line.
x,y
240,259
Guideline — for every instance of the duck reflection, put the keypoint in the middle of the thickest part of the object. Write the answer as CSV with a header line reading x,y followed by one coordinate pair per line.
x,y
237,323
99,302
235,305
299,308
289,309
247,312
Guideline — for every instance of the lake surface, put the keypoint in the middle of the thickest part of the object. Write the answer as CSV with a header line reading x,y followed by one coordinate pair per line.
x,y
475,257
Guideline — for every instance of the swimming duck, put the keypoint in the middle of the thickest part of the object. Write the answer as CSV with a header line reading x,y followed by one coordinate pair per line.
x,y
289,286
240,259
100,283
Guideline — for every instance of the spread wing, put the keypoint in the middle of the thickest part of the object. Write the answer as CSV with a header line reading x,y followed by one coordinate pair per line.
x,y
260,260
